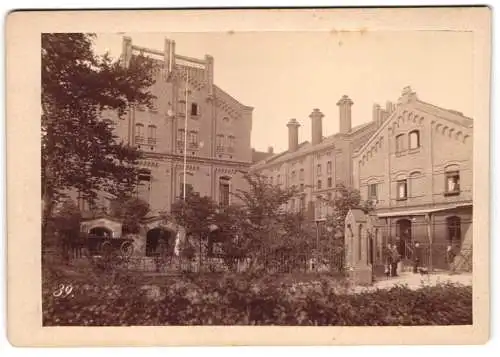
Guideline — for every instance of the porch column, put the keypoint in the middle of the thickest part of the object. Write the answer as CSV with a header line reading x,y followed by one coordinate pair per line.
x,y
428,218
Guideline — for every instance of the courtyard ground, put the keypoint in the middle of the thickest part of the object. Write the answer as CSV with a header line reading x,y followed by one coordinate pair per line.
x,y
415,281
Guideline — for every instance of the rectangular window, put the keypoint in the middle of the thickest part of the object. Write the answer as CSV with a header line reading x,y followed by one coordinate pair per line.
x,y
189,188
329,167
292,205
293,176
319,184
224,193
180,138
139,133
278,179
452,183
193,139
194,109
301,187
220,142
318,170
372,191
402,190
330,182
151,134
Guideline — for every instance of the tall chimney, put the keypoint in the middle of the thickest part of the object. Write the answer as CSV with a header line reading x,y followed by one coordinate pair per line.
x,y
270,150
293,135
377,117
345,124
316,126
389,107
126,50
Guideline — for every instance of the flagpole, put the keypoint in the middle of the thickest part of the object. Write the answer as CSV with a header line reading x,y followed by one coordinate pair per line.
x,y
185,136
177,240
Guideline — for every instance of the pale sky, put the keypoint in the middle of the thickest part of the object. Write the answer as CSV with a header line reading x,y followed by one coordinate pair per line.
x,y
286,75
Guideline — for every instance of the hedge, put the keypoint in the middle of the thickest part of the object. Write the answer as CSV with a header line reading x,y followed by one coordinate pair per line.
x,y
235,300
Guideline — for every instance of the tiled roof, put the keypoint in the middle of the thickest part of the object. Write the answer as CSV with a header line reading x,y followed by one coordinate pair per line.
x,y
306,147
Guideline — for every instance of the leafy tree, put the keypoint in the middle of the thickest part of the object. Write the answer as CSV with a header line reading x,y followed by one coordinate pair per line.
x,y
196,214
344,199
67,219
260,225
131,210
80,152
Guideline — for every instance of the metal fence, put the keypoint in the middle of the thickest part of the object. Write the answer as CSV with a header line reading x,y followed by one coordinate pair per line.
x,y
312,261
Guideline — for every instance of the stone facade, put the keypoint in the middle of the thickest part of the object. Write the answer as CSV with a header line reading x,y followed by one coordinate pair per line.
x,y
316,167
417,170
218,126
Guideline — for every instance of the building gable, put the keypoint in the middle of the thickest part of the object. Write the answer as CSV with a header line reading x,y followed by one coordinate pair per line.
x,y
413,114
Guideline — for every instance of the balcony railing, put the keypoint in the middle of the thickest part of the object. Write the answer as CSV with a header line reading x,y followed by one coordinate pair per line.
x,y
193,145
152,141
139,139
219,148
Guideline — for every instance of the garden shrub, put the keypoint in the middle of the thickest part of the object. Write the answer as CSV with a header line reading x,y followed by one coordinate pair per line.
x,y
223,299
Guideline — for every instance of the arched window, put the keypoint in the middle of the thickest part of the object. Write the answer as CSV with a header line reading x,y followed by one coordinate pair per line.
x,y
414,139
452,180
415,184
400,143
224,190
402,189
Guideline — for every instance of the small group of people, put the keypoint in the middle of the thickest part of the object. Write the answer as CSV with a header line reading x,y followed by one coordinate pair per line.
x,y
392,260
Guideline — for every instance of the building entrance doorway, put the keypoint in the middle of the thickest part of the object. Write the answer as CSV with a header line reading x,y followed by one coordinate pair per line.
x,y
404,238
159,241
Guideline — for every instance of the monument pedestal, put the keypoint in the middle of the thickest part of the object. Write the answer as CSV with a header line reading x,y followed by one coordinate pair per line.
x,y
361,275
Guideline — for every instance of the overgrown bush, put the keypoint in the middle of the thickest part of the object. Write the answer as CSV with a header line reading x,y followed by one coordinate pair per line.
x,y
226,300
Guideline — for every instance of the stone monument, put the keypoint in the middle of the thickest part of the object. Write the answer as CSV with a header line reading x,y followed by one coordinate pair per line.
x,y
358,267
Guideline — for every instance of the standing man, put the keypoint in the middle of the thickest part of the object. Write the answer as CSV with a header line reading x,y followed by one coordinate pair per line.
x,y
396,258
416,257
450,257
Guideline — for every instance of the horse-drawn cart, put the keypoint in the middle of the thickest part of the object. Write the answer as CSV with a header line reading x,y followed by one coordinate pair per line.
x,y
103,236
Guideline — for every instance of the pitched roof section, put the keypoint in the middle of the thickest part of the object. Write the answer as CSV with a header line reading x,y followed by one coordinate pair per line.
x,y
260,155
306,147
228,99
409,100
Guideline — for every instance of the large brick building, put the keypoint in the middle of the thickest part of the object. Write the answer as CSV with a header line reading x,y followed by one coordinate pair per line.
x,y
417,170
318,165
217,129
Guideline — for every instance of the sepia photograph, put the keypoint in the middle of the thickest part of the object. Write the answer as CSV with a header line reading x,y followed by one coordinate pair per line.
x,y
260,178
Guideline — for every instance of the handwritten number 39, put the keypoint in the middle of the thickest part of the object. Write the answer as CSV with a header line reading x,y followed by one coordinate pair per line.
x,y
63,290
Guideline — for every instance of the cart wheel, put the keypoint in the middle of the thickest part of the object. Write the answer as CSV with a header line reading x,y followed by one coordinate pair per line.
x,y
127,249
